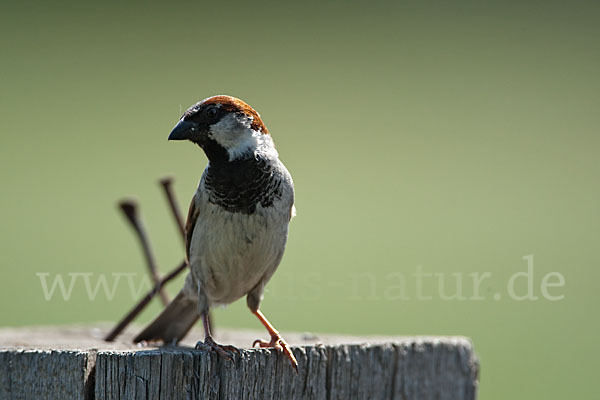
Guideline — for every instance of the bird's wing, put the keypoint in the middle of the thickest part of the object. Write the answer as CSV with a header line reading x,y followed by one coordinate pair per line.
x,y
190,224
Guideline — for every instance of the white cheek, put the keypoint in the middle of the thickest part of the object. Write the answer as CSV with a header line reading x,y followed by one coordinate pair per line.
x,y
229,131
230,125
235,134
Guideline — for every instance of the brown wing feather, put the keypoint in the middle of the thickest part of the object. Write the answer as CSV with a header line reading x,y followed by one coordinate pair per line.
x,y
190,224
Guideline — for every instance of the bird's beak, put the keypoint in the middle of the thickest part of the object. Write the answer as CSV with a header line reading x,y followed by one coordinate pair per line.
x,y
184,130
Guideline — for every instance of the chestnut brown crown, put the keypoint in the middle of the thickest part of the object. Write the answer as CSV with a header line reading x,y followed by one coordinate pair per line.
x,y
220,105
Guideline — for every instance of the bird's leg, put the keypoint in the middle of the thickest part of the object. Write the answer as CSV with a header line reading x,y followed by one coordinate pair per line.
x,y
276,339
210,344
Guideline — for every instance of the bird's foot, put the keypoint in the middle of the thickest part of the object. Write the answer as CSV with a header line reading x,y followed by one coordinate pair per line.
x,y
222,349
280,345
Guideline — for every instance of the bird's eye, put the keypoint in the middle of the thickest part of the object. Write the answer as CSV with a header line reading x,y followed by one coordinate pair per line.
x,y
211,112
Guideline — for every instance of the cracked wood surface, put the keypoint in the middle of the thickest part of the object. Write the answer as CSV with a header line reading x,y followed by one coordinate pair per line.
x,y
74,363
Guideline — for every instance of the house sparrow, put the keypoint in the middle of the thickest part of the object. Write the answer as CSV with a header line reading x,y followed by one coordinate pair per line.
x,y
237,225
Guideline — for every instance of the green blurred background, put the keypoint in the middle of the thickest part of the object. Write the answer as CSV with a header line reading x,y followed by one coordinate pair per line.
x,y
456,136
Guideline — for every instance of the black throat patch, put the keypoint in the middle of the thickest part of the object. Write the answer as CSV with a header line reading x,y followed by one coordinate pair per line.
x,y
240,185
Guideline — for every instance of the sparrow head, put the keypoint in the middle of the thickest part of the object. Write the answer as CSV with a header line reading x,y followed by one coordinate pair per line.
x,y
223,126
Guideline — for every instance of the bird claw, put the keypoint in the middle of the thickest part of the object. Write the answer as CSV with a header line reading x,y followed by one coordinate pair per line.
x,y
280,345
222,349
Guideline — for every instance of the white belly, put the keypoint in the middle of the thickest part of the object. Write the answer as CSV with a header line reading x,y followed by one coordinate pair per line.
x,y
230,253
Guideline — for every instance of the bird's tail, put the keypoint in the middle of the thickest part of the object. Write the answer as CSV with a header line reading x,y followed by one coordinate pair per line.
x,y
174,322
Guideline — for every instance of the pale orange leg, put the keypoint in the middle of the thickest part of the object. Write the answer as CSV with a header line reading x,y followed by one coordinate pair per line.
x,y
276,339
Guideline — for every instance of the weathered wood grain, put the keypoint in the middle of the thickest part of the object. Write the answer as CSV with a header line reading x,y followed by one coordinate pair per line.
x,y
32,374
362,368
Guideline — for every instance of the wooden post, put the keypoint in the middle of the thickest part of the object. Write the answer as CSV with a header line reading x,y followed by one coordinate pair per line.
x,y
72,363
